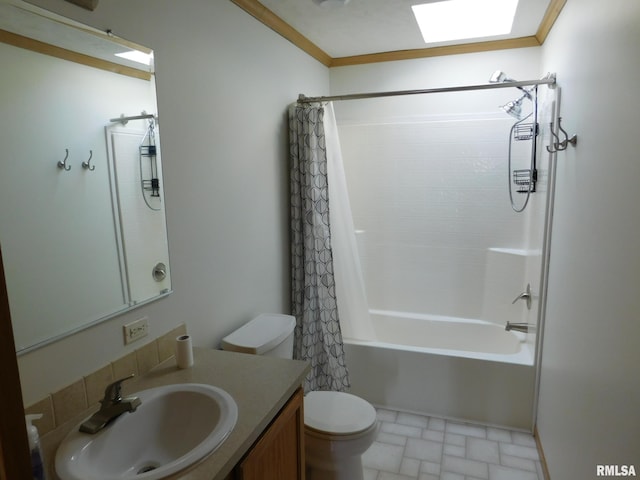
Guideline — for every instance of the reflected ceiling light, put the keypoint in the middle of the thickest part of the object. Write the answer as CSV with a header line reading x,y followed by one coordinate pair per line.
x,y
459,19
330,3
136,56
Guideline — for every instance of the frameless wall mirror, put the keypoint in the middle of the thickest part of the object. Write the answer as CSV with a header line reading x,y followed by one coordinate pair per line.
x,y
82,223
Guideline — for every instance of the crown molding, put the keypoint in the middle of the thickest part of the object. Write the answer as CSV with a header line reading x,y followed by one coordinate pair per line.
x,y
521,42
271,20
87,4
58,52
550,16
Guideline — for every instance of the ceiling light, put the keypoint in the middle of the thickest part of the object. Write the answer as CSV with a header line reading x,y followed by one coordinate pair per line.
x,y
136,56
459,19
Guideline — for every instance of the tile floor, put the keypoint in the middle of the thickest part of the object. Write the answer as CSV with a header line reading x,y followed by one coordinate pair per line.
x,y
415,447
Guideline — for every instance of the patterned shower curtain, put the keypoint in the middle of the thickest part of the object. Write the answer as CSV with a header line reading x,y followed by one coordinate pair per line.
x,y
318,338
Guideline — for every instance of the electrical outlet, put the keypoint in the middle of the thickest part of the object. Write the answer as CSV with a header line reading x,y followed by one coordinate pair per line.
x,y
136,330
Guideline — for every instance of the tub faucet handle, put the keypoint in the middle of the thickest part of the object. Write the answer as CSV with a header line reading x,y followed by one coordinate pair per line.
x,y
526,296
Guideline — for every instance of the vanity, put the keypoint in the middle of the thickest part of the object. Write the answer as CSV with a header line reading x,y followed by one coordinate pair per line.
x,y
267,440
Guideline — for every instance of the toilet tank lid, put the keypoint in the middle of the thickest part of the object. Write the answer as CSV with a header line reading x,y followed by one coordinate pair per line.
x,y
338,413
261,334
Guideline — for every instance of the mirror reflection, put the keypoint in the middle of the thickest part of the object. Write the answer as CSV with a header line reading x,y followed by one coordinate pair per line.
x,y
82,223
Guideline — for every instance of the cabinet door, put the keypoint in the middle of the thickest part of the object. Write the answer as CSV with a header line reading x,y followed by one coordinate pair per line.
x,y
279,452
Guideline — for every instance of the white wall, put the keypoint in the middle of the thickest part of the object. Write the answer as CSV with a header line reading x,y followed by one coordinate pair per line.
x,y
224,82
590,390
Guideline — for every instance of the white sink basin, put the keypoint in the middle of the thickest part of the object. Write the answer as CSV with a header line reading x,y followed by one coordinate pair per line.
x,y
174,427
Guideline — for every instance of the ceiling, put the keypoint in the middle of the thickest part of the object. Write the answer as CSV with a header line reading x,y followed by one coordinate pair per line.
x,y
360,31
370,27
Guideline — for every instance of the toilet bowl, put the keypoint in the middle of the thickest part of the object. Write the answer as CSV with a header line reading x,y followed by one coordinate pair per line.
x,y
339,427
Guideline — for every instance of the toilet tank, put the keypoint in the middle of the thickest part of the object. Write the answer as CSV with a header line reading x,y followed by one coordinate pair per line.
x,y
269,334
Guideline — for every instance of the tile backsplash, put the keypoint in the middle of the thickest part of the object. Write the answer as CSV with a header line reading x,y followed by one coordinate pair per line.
x,y
61,406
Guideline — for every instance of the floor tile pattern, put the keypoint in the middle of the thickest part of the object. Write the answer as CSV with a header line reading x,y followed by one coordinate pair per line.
x,y
415,447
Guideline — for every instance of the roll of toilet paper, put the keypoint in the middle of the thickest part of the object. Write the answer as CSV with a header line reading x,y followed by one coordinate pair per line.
x,y
184,351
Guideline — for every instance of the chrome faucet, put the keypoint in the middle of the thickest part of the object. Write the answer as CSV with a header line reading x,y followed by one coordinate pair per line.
x,y
112,406
526,296
520,327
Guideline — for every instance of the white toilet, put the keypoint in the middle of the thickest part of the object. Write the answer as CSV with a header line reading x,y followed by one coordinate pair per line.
x,y
339,427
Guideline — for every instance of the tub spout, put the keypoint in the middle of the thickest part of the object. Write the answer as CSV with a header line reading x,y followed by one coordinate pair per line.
x,y
520,327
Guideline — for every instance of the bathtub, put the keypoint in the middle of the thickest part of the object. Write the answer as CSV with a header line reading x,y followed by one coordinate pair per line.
x,y
464,369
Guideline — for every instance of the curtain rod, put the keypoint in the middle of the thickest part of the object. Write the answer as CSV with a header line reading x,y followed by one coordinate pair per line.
x,y
550,79
124,120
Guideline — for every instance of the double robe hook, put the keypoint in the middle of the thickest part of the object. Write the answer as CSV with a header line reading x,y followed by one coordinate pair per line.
x,y
62,164
87,165
559,145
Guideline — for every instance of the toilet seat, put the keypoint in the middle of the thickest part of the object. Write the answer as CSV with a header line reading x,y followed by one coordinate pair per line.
x,y
337,414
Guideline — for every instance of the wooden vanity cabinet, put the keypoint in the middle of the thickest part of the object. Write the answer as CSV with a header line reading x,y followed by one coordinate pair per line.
x,y
279,452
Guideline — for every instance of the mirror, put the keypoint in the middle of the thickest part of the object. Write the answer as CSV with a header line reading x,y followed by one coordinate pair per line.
x,y
82,223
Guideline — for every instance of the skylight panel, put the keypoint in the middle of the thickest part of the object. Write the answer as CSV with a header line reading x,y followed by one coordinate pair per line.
x,y
136,56
460,19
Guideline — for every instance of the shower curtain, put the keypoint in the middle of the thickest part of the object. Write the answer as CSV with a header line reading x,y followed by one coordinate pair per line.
x,y
350,290
318,337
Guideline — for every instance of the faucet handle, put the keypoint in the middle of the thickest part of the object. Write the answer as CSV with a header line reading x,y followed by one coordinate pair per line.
x,y
112,394
526,295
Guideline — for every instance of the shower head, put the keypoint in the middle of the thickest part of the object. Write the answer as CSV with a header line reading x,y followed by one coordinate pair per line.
x,y
514,108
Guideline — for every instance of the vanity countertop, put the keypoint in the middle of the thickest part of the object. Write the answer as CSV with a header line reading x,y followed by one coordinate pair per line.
x,y
259,385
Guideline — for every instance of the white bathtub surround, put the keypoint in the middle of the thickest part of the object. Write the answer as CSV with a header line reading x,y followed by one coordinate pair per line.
x,y
505,278
430,193
456,378
417,447
427,180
